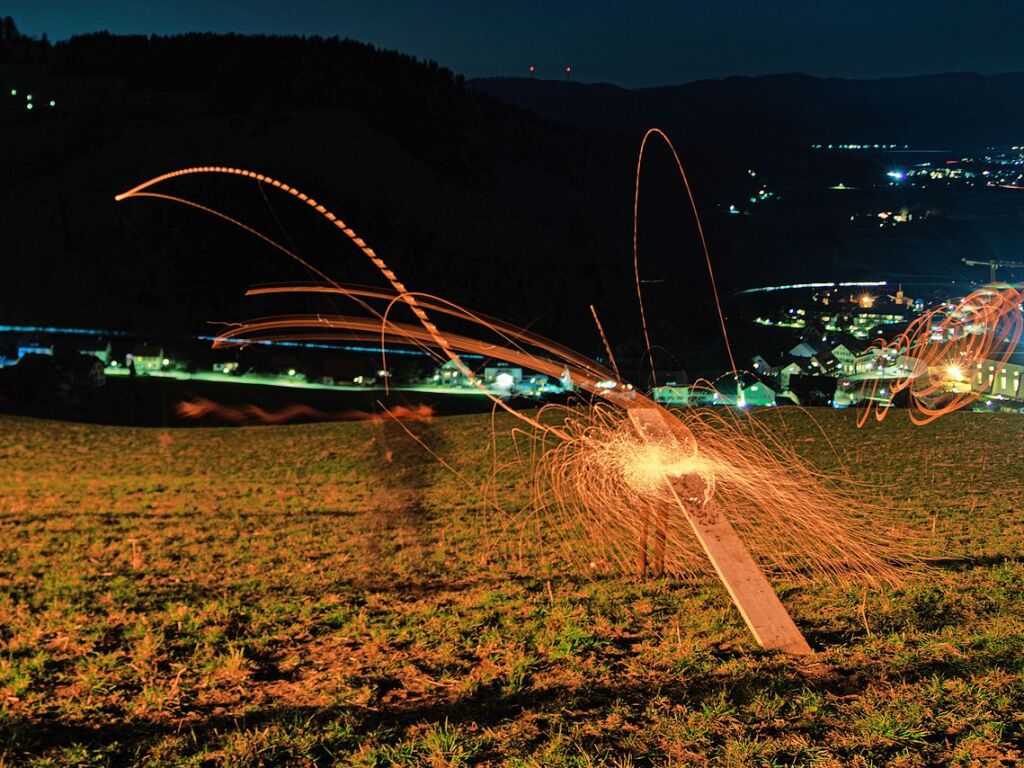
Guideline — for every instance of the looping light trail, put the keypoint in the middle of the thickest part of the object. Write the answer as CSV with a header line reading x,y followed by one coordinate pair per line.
x,y
935,359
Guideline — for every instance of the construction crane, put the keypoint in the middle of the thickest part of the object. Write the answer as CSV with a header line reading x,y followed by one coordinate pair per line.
x,y
993,264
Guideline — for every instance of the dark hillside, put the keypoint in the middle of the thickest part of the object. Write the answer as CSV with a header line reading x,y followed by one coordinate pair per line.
x,y
422,167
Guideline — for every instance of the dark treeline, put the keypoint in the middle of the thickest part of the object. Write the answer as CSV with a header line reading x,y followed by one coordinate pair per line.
x,y
18,48
423,105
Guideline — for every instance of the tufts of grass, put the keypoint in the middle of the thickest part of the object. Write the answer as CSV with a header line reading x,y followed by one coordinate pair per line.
x,y
293,596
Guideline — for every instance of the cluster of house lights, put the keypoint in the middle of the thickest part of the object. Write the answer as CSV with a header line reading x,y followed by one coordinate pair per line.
x,y
30,102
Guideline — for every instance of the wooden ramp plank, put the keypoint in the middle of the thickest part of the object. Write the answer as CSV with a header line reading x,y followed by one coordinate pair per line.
x,y
761,609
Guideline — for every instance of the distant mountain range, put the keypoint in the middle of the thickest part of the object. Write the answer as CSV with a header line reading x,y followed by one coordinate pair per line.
x,y
957,110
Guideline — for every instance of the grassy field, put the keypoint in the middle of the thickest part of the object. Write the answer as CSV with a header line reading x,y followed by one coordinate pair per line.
x,y
329,594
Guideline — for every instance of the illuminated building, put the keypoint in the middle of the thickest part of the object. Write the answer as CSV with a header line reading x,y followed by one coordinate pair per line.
x,y
148,357
844,355
902,300
503,378
757,393
747,391
808,348
1002,380
984,375
673,395
451,375
566,380
860,314
792,369
866,360
827,363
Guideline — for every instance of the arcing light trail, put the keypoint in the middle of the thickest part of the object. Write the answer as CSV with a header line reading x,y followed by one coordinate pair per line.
x,y
631,485
401,294
703,244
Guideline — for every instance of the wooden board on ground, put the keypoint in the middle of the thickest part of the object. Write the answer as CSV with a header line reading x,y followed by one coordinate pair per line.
x,y
764,613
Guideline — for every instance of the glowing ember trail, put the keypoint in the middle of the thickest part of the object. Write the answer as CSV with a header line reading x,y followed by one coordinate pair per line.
x,y
625,484
200,407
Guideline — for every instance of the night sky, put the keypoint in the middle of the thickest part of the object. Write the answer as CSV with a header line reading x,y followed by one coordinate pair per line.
x,y
628,43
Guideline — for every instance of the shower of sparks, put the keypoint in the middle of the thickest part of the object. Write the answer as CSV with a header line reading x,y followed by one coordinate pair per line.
x,y
619,499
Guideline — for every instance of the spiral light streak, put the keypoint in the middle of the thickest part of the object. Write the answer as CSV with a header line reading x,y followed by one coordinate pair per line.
x,y
940,350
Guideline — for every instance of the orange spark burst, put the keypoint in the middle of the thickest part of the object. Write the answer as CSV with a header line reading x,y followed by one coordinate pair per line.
x,y
620,498
606,484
